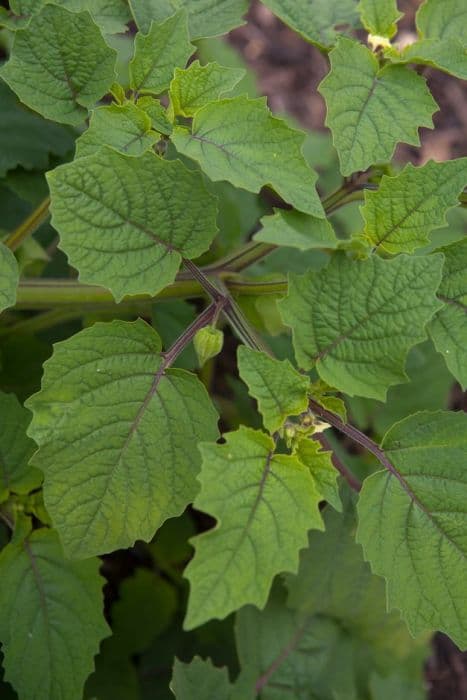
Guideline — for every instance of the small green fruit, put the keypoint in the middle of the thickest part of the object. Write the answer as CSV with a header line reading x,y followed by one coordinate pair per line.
x,y
208,343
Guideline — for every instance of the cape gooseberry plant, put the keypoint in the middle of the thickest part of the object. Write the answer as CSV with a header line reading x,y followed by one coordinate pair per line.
x,y
309,548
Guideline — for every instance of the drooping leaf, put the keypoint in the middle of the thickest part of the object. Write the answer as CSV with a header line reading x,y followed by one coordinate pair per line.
x,y
201,680
9,277
75,69
157,53
124,222
279,389
449,327
51,617
356,320
16,449
126,128
34,138
292,228
323,473
412,522
117,436
238,140
194,87
252,492
380,16
205,17
370,109
401,213
316,20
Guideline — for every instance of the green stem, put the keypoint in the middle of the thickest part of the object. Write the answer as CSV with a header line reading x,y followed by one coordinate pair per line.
x,y
29,225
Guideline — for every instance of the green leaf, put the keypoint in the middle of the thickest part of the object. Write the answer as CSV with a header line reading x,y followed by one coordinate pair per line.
x,y
112,16
75,69
194,87
396,686
412,522
238,140
157,113
34,138
448,55
115,677
279,389
117,435
370,109
448,329
201,680
252,492
380,16
16,449
9,277
126,128
164,47
316,20
206,18
400,215
124,222
297,230
51,615
443,20
356,319
322,471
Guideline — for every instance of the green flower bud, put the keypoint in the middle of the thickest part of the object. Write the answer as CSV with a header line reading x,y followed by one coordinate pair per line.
x,y
208,343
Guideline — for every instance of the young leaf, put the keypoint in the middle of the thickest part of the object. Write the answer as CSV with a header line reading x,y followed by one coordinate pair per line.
x,y
51,617
165,46
238,140
379,16
157,113
201,680
124,222
117,434
279,389
297,230
402,212
9,277
34,137
356,320
371,109
315,20
265,503
205,18
126,128
412,519
75,69
448,329
323,473
194,87
16,449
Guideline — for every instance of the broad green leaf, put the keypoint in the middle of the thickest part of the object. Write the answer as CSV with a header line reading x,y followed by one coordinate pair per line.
x,y
380,16
238,140
252,492
370,109
292,228
111,16
117,436
124,222
51,618
194,87
448,55
9,277
16,449
205,17
443,20
25,138
323,473
355,320
126,128
412,522
401,213
448,329
164,47
279,389
157,113
75,70
316,20
201,680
